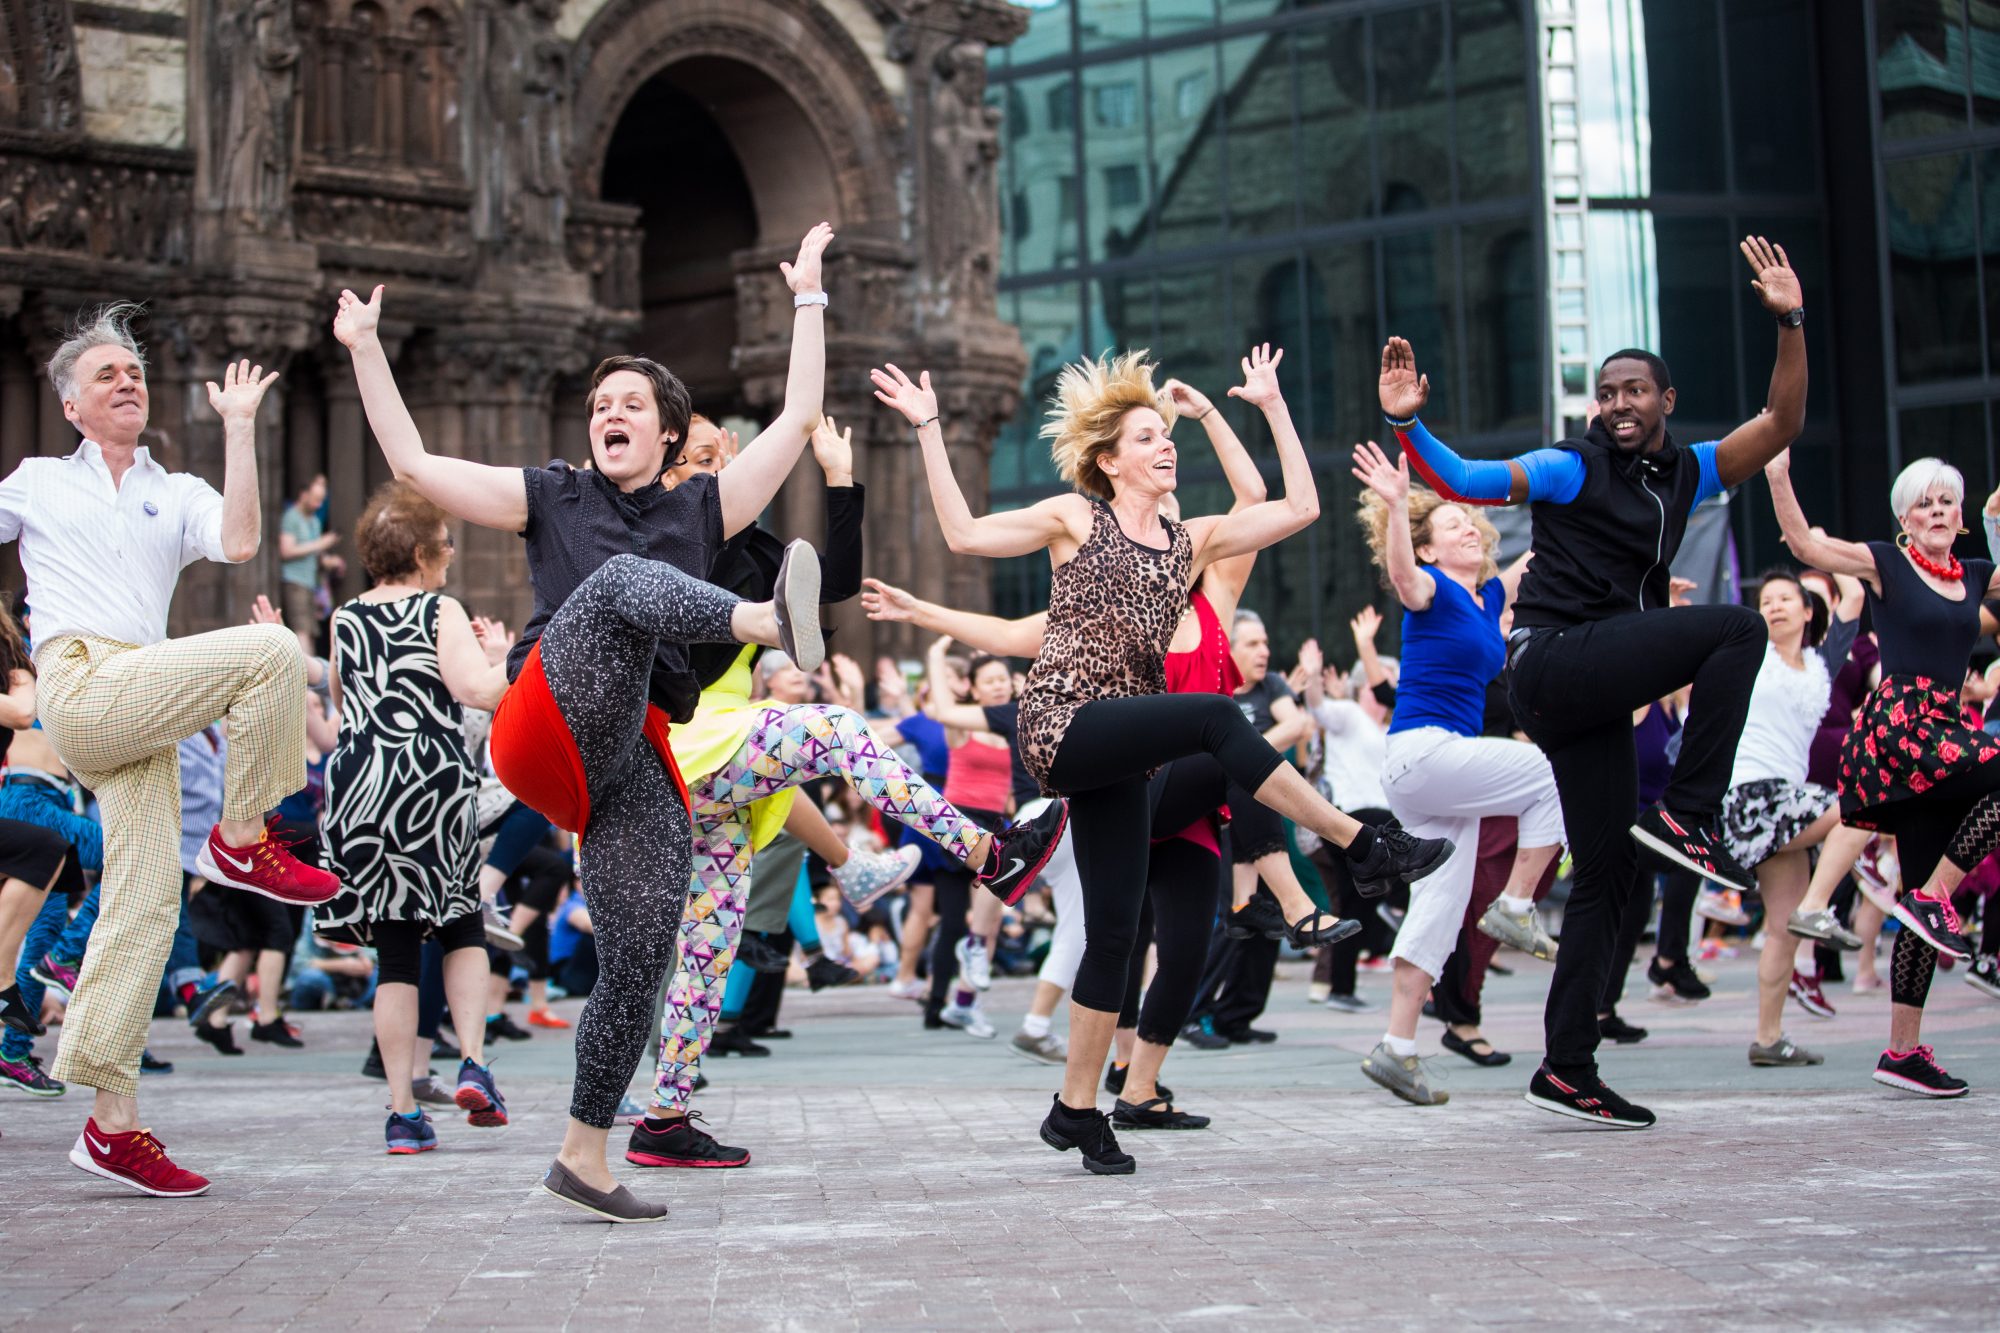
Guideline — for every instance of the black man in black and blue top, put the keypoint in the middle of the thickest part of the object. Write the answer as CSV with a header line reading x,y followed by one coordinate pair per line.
x,y
1594,638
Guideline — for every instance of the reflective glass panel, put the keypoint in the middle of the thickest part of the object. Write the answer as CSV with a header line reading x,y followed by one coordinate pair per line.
x,y
1041,165
1496,118
1957,434
1334,168
1187,147
1048,33
1412,107
1920,67
1773,118
1110,22
1700,273
1114,153
1419,292
1257,92
1933,279
1503,327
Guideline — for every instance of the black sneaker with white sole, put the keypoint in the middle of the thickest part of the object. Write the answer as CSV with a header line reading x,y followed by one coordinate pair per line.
x,y
14,1013
1677,984
1586,1098
1089,1132
1936,923
1396,855
1984,975
1021,850
1692,845
1918,1071
795,599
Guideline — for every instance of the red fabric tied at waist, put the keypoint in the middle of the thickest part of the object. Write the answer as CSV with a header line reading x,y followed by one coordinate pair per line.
x,y
535,756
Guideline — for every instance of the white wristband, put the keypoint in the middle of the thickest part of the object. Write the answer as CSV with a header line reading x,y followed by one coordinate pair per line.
x,y
802,299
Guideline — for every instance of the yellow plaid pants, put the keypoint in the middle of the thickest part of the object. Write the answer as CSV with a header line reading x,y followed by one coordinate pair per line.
x,y
117,715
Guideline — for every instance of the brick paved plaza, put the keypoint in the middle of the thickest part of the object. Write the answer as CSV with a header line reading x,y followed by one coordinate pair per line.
x,y
898,1184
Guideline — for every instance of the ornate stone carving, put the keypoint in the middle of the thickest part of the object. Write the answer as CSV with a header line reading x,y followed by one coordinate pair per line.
x,y
94,210
381,85
41,86
527,83
603,242
348,216
963,206
252,59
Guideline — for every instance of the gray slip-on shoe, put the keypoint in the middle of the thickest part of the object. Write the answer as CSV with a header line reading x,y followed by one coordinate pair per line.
x,y
615,1205
796,601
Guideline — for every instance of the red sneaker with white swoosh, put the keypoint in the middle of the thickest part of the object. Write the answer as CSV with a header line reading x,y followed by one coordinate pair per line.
x,y
136,1159
265,867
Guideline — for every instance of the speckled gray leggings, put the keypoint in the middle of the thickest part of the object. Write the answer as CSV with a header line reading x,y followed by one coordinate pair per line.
x,y
597,653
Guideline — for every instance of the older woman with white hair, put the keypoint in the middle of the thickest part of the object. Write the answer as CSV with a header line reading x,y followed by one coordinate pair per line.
x,y
1912,766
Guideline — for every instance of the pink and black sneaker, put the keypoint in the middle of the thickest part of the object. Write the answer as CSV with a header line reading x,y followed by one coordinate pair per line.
x,y
266,866
1021,850
58,976
1918,1071
1936,923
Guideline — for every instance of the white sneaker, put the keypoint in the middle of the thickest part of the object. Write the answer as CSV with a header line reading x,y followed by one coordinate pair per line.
x,y
909,990
968,1019
869,875
498,933
973,963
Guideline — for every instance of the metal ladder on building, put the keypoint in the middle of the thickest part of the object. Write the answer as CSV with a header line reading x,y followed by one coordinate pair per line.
x,y
1567,211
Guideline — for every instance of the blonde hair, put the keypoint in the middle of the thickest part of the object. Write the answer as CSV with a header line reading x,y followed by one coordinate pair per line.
x,y
1089,407
1424,502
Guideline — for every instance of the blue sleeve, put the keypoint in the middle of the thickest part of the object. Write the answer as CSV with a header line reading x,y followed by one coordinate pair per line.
x,y
1555,475
1711,480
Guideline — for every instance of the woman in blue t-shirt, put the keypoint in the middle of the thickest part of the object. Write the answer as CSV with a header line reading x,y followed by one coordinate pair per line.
x,y
1441,775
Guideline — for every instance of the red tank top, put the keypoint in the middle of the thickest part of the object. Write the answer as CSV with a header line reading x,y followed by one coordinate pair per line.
x,y
981,776
1209,668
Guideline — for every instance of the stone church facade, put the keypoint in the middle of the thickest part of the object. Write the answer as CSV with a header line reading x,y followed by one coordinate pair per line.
x,y
539,183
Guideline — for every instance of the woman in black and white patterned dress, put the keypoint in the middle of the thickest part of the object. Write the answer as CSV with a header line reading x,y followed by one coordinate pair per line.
x,y
400,820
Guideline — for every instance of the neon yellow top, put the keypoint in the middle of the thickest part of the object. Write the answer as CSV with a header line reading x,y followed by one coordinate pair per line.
x,y
710,739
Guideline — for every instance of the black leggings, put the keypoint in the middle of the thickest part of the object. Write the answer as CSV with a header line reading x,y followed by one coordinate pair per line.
x,y
1181,888
1335,965
1101,765
597,654
952,897
399,945
1941,822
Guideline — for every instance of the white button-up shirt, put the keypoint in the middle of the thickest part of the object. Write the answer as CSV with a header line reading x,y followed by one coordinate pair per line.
x,y
102,557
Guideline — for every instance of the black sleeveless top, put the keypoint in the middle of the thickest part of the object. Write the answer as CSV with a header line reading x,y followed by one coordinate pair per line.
x,y
1919,632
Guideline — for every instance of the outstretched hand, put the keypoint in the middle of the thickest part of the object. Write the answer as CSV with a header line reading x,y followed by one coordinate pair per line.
x,y
1402,390
493,638
1260,377
885,601
802,274
263,613
915,401
1373,469
241,390
833,449
355,320
1366,624
1187,400
1775,284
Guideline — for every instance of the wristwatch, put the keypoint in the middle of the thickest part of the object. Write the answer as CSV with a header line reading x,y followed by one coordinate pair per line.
x,y
1791,319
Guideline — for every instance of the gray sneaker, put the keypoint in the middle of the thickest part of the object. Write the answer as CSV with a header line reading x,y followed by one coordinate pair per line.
x,y
617,1204
1823,925
498,933
1402,1075
1524,932
1349,1004
1784,1052
428,1093
1048,1048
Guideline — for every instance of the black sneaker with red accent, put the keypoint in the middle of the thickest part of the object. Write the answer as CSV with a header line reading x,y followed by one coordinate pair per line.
x,y
1918,1071
1935,922
1584,1097
1692,845
1021,850
680,1143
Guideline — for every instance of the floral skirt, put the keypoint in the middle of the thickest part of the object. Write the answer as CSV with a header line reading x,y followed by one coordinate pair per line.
x,y
1910,736
1759,818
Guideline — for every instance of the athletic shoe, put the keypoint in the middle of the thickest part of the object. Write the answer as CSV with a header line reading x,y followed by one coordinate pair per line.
x,y
498,933
1158,1113
1811,998
403,1137
479,1096
546,1018
1403,1075
975,965
1396,855
969,1019
1823,925
1688,844
1723,905
1783,1053
1259,915
1391,916
1203,1036
1678,984
1918,1071
1317,992
266,866
1048,1048
1936,923
222,1036
14,1013
136,1159
909,990
1089,1132
372,1067
501,1026
153,1064
1021,850
869,875
733,1040
616,1204
1248,1036
202,1001
1349,1004
1114,1082
58,976
277,1032
443,1048
795,599
1876,873
1984,975
1611,1027
1586,1099
1524,932
428,1093
26,1075
757,951
823,972
679,1142
771,1034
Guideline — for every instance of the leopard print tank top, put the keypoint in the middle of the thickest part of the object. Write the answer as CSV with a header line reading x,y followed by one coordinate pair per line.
x,y
1112,612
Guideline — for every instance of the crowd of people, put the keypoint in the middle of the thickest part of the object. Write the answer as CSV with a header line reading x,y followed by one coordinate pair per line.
x,y
665,796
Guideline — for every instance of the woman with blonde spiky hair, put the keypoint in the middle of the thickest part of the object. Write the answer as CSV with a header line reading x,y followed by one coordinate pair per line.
x,y
1095,719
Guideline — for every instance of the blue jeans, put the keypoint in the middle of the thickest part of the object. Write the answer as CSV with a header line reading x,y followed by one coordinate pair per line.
x,y
69,946
43,932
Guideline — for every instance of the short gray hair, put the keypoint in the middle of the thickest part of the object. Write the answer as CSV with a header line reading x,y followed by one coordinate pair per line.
x,y
108,325
1245,616
1919,479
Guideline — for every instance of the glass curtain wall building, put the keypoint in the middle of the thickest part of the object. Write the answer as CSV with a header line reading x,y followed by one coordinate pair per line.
x,y
1191,176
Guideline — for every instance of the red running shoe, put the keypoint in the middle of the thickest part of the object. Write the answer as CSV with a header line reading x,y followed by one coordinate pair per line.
x,y
136,1159
265,867
546,1018
1811,998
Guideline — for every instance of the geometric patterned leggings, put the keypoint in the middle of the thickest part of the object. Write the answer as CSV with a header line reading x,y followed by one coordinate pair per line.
x,y
788,745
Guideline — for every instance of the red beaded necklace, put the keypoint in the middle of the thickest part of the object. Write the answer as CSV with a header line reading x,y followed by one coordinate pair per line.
x,y
1950,572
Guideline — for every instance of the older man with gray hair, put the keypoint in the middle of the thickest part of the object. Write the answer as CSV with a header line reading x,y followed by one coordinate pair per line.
x,y
104,534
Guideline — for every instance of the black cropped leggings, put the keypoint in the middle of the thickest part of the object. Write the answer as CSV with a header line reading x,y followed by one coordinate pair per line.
x,y
1101,765
1182,880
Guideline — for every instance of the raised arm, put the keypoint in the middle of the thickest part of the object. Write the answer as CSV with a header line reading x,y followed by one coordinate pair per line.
x,y
1757,441
940,703
747,485
236,400
1250,529
1060,518
17,705
1510,577
1990,520
1415,588
988,634
1809,544
492,497
1226,578
840,563
1366,624
1555,475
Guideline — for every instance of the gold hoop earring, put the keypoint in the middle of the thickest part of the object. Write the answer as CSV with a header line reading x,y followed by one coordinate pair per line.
x,y
1965,532
1903,540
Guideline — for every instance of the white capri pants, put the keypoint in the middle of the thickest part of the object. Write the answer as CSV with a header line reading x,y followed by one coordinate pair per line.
x,y
1066,891
1440,785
